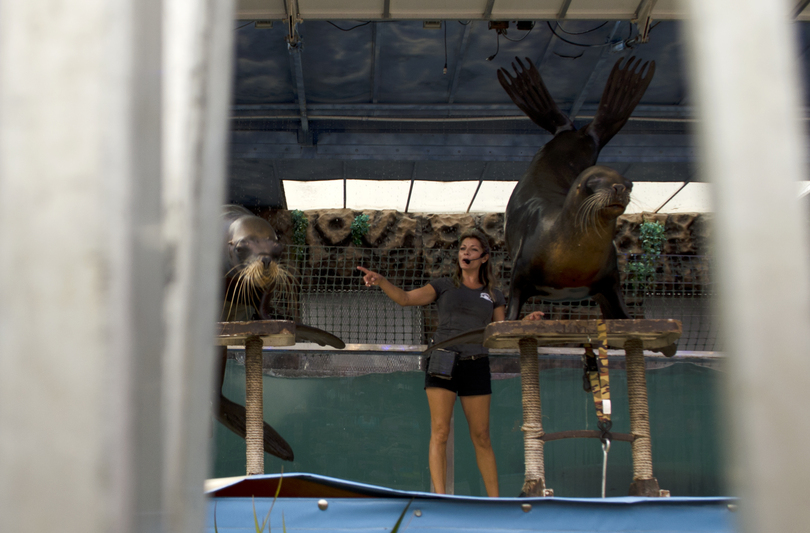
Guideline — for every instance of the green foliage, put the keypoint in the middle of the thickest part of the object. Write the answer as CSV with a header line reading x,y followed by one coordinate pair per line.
x,y
300,223
359,229
652,239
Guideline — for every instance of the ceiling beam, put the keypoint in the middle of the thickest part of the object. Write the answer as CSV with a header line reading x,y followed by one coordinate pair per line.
x,y
563,9
480,181
294,47
488,9
298,76
547,51
799,8
653,111
626,148
375,64
597,69
462,52
643,19
410,189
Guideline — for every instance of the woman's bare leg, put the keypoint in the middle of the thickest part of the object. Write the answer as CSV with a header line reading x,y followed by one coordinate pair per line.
x,y
476,409
441,402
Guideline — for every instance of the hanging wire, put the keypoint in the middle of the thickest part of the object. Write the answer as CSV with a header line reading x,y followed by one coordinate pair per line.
x,y
518,40
563,39
243,25
497,46
348,29
559,27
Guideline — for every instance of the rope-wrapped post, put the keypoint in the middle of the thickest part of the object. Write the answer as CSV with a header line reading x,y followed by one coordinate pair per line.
x,y
534,483
644,484
254,406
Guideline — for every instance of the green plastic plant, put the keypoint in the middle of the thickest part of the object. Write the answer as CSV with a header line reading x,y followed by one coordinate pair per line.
x,y
651,235
359,229
300,223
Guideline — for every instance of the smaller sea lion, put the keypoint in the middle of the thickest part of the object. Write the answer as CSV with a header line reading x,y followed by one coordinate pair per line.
x,y
253,276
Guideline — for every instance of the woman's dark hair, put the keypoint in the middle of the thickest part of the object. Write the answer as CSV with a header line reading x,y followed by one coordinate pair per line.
x,y
485,275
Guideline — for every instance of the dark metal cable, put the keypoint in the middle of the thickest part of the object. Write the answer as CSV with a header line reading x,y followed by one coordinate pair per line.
x,y
518,40
243,25
497,46
348,29
563,39
559,26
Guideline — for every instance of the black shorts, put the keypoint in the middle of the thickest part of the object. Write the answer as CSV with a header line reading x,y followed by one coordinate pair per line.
x,y
471,377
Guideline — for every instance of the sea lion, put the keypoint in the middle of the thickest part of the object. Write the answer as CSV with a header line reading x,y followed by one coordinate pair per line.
x,y
254,282
561,217
253,276
250,265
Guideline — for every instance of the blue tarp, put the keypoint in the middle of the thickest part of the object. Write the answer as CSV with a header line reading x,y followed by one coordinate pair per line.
x,y
377,509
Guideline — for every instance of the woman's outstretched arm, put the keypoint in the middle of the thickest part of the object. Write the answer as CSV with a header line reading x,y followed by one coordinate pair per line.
x,y
421,296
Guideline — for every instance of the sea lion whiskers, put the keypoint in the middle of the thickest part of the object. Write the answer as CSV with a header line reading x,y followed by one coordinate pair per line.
x,y
588,212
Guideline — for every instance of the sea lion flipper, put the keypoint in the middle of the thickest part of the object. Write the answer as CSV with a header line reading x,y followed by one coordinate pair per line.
x,y
623,91
319,336
232,416
529,93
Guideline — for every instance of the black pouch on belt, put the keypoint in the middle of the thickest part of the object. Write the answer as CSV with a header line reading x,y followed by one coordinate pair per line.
x,y
441,363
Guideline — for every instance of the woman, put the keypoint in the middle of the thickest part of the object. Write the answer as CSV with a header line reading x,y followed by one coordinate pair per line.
x,y
466,301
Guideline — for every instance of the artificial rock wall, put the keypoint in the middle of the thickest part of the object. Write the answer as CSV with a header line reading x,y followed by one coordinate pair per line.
x,y
686,233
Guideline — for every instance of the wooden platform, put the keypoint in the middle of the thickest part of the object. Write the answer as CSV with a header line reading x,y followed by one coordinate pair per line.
x,y
653,333
274,333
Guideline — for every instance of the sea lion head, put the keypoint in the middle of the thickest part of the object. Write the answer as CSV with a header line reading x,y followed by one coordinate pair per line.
x,y
600,195
252,240
251,260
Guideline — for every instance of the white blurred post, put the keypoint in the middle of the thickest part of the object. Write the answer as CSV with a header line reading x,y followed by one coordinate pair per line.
x,y
81,277
743,63
198,37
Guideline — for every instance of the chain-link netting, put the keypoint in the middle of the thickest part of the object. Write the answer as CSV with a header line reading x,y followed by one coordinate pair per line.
x,y
330,294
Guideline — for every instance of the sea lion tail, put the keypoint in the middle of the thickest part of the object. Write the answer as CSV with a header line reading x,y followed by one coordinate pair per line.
x,y
623,91
529,93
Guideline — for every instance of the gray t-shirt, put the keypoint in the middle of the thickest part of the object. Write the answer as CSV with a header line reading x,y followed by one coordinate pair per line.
x,y
462,309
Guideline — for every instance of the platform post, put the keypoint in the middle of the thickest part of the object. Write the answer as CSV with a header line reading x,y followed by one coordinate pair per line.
x,y
254,406
644,484
534,483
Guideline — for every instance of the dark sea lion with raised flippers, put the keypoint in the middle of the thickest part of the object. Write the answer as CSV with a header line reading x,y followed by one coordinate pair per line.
x,y
561,217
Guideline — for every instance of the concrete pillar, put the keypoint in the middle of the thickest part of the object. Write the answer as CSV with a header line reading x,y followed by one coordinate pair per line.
x,y
197,77
752,141
81,266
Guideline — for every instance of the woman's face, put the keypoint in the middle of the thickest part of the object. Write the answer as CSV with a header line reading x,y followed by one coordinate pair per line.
x,y
471,254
